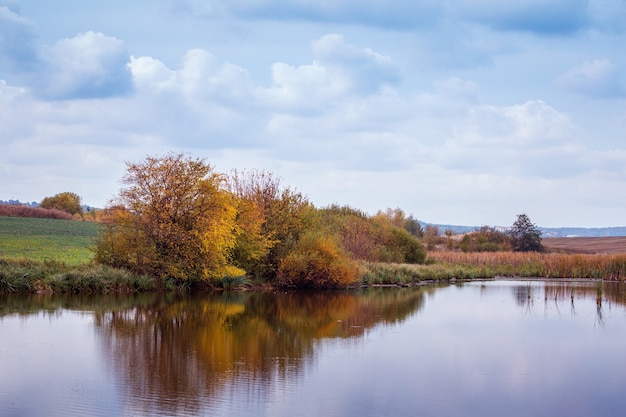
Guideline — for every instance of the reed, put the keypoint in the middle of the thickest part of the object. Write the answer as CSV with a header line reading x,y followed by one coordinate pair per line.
x,y
540,265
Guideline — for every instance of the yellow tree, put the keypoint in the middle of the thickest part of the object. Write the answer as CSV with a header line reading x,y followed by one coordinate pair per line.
x,y
172,218
68,202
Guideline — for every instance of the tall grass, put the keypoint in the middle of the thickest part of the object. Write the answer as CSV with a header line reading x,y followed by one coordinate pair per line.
x,y
407,274
447,265
27,276
540,265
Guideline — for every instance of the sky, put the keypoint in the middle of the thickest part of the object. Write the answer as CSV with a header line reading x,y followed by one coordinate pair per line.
x,y
463,112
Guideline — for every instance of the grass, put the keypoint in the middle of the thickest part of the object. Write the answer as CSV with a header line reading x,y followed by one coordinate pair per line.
x,y
407,274
29,277
448,265
540,265
39,239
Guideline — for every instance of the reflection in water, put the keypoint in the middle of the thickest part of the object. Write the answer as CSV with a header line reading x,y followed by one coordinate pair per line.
x,y
172,353
555,294
473,350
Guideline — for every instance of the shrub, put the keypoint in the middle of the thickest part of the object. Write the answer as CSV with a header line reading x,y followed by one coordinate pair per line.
x,y
17,210
486,239
316,261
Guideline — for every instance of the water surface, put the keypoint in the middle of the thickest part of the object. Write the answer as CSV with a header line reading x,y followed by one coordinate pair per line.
x,y
514,348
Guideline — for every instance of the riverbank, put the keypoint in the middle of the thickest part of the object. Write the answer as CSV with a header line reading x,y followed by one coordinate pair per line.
x,y
30,276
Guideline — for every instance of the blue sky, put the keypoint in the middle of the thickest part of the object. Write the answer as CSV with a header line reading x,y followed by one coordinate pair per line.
x,y
458,111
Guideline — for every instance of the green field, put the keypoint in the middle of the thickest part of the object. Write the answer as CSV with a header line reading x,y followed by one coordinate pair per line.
x,y
66,241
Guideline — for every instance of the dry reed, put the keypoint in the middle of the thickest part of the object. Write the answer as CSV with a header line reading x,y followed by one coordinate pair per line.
x,y
531,264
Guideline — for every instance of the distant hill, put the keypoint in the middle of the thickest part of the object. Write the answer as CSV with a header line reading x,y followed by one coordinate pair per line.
x,y
546,231
583,232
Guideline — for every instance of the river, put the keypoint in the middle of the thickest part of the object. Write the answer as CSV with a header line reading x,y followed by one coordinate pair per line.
x,y
492,348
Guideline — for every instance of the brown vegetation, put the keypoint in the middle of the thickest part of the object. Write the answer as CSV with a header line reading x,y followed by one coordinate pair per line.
x,y
585,244
17,210
539,265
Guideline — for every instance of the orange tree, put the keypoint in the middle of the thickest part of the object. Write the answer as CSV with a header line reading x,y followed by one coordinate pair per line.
x,y
68,202
173,218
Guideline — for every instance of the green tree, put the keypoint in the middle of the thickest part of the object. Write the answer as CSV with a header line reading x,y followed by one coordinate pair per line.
x,y
174,219
413,226
525,236
67,202
485,239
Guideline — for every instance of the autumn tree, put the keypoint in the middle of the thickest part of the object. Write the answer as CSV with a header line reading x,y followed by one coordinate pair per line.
x,y
67,202
380,238
172,218
272,218
394,216
431,236
525,236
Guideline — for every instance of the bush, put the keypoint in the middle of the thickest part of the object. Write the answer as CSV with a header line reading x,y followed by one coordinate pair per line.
x,y
17,210
486,239
316,261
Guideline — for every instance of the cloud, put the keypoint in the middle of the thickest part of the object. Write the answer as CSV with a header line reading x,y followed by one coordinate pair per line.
x,y
89,65
397,15
17,41
215,101
595,79
367,69
339,70
545,17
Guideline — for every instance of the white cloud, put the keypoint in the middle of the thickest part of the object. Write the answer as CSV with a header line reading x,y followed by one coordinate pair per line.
x,y
339,70
89,65
597,79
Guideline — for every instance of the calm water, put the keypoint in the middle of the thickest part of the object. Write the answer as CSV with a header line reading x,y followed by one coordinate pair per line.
x,y
499,348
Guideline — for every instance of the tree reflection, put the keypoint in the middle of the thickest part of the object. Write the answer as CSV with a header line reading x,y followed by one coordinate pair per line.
x,y
555,293
175,351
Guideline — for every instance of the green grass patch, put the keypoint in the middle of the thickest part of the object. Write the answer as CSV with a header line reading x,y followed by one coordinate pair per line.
x,y
53,277
406,274
65,241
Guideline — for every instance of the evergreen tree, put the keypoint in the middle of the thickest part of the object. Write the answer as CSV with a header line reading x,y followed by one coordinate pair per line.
x,y
525,236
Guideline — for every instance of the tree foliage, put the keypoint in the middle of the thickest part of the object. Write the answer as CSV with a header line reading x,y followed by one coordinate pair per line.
x,y
486,239
67,202
316,261
172,219
525,236
381,238
272,218
176,217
